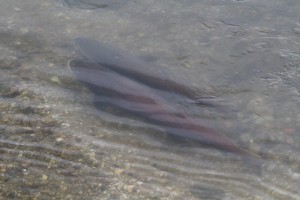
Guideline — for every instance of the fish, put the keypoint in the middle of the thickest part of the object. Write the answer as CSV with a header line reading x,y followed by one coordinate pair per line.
x,y
129,96
133,67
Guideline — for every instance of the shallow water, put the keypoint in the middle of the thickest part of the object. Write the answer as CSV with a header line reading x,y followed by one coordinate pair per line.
x,y
56,145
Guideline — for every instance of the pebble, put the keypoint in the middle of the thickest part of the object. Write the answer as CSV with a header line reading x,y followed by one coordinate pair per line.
x,y
129,188
119,171
55,79
44,177
59,139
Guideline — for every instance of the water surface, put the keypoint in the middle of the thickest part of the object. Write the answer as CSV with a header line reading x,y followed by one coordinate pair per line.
x,y
242,55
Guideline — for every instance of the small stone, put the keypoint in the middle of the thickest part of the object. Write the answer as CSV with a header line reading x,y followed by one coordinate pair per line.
x,y
49,121
59,139
139,183
55,79
66,125
44,177
119,171
129,188
27,129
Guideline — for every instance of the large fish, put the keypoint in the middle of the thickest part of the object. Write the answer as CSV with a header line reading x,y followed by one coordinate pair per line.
x,y
129,96
135,68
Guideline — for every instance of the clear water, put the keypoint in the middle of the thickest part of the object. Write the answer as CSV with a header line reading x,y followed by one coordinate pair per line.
x,y
55,145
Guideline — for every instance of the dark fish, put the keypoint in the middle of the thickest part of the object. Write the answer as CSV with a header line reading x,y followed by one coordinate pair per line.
x,y
132,67
132,97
